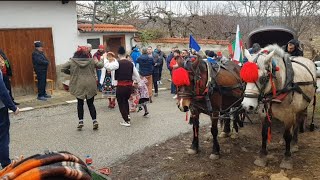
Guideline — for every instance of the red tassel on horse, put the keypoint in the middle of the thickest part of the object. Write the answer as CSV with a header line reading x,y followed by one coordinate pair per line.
x,y
180,77
249,72
273,86
269,135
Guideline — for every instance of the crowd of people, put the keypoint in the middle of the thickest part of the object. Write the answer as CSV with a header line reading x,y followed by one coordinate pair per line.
x,y
128,79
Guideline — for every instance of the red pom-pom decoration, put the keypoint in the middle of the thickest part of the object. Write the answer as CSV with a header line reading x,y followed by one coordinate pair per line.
x,y
249,72
277,68
180,77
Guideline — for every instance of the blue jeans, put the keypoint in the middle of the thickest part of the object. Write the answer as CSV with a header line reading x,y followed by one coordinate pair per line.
x,y
4,137
99,75
173,87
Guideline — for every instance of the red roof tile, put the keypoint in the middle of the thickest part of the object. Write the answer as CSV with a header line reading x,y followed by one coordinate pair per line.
x,y
107,28
186,41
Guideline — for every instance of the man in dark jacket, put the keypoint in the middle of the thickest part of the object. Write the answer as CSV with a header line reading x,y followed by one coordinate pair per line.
x,y
158,62
40,66
162,57
146,65
293,48
5,104
7,74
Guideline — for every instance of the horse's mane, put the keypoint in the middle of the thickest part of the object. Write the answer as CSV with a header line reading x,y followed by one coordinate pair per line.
x,y
276,48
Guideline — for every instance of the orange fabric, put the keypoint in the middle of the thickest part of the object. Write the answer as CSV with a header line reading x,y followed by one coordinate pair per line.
x,y
26,166
33,174
149,84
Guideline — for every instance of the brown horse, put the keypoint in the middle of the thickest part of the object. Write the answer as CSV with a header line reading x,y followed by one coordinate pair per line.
x,y
213,90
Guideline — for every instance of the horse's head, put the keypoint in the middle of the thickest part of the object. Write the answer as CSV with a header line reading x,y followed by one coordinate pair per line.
x,y
187,91
256,73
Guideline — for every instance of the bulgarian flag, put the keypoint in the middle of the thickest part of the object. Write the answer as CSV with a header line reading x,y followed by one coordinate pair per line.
x,y
237,47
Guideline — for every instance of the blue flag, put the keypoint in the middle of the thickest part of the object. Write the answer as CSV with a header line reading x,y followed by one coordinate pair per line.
x,y
193,44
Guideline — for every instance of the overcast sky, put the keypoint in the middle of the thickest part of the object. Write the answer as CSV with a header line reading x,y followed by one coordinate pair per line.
x,y
178,7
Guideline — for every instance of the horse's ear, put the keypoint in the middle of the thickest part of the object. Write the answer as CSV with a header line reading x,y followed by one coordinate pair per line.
x,y
269,57
248,55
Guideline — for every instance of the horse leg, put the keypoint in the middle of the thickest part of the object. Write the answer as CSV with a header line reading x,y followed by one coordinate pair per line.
x,y
262,159
195,142
235,121
295,147
214,131
226,127
240,115
287,161
302,118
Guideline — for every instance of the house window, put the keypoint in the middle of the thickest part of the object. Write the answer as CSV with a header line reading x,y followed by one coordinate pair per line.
x,y
94,42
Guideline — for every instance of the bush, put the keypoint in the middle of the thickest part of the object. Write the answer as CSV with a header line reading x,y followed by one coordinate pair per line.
x,y
150,34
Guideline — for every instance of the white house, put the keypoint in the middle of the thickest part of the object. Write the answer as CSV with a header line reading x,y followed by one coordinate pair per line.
x,y
55,24
111,35
23,22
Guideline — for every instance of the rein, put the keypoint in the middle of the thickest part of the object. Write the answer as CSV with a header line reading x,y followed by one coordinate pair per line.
x,y
196,93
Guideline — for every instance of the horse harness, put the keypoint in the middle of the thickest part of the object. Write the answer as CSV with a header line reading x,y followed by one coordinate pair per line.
x,y
212,86
290,86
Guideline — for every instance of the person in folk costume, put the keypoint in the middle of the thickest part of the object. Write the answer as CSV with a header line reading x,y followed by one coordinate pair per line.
x,y
81,69
107,79
134,97
144,96
125,73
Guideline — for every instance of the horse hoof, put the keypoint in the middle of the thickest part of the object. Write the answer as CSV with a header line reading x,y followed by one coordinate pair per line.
x,y
214,156
224,135
235,135
192,151
261,162
295,148
286,164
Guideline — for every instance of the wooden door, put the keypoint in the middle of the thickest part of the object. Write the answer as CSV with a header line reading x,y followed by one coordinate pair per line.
x,y
113,43
18,45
